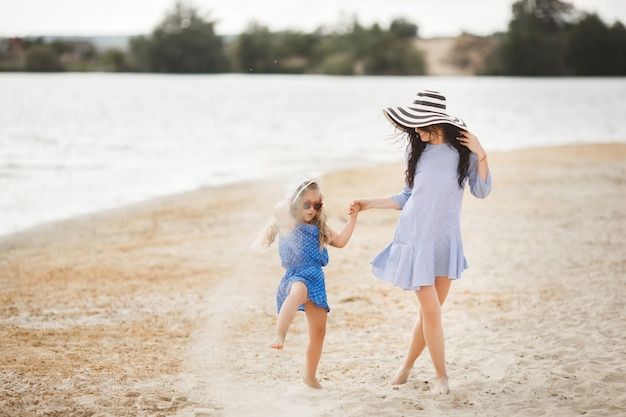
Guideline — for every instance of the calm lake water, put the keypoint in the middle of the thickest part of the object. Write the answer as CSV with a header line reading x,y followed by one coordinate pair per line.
x,y
78,143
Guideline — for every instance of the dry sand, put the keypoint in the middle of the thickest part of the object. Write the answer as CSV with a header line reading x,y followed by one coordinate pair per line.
x,y
162,308
438,52
460,56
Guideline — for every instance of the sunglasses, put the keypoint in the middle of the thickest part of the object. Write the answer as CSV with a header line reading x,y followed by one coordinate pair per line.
x,y
317,205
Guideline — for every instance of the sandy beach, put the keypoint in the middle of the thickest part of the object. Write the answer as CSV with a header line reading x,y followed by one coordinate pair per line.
x,y
163,309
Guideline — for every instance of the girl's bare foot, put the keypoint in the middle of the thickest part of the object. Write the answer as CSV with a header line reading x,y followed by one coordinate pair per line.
x,y
401,376
312,382
278,343
441,387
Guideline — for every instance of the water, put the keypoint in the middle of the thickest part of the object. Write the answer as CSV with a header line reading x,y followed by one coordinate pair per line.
x,y
78,143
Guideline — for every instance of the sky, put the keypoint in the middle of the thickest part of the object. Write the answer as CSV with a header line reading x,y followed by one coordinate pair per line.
x,y
134,17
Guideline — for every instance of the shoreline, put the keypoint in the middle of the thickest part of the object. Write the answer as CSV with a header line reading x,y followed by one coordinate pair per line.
x,y
163,307
42,226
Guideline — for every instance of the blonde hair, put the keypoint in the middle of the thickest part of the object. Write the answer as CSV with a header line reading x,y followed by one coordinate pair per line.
x,y
267,236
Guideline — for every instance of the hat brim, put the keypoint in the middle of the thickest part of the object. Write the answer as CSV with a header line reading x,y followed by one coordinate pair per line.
x,y
409,118
297,184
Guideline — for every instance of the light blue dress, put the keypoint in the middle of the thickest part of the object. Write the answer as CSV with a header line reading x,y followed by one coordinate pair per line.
x,y
303,259
427,242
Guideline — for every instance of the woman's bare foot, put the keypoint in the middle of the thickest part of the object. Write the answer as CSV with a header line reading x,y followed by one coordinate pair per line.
x,y
312,382
401,376
441,387
278,343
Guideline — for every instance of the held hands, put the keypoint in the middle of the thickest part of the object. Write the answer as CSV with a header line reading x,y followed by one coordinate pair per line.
x,y
362,204
470,141
355,208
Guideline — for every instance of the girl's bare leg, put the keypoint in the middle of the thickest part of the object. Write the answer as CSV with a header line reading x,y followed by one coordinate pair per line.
x,y
298,295
418,341
316,320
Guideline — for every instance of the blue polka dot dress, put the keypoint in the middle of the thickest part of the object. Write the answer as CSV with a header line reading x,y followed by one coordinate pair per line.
x,y
427,241
303,259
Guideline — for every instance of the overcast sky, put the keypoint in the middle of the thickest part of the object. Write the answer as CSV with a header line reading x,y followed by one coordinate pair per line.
x,y
133,17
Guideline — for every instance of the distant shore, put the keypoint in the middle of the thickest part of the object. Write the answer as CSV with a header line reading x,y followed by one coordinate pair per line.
x,y
439,51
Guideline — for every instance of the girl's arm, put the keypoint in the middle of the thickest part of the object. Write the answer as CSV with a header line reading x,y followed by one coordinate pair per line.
x,y
379,203
339,240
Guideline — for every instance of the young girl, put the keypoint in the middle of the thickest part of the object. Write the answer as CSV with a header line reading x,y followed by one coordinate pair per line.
x,y
427,250
300,222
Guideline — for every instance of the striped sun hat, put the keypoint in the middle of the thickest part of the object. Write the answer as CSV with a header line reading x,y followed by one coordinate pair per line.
x,y
428,108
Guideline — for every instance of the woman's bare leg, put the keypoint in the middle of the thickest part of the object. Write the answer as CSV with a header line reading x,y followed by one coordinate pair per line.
x,y
316,320
416,347
430,307
298,294
418,341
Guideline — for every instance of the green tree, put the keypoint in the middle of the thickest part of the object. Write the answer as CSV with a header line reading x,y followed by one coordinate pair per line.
x,y
537,38
294,51
403,29
596,49
332,55
552,15
618,45
257,50
183,42
115,60
392,52
139,56
372,51
42,58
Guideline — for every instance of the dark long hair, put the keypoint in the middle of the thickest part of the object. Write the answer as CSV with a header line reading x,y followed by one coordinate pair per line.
x,y
416,147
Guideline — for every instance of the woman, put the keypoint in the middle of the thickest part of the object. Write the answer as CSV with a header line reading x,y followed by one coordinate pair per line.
x,y
427,252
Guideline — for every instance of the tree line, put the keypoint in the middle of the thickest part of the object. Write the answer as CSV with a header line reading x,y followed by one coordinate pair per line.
x,y
544,38
552,38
